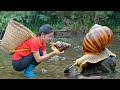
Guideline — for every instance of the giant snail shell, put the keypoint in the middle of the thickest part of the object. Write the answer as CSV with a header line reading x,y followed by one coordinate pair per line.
x,y
97,39
94,47
59,46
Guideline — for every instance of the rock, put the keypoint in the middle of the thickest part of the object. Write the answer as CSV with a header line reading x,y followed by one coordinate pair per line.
x,y
105,66
55,58
70,71
63,58
2,67
43,71
78,47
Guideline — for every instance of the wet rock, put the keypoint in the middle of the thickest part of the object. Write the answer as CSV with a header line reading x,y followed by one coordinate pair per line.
x,y
55,58
78,47
43,71
63,58
105,66
70,71
2,67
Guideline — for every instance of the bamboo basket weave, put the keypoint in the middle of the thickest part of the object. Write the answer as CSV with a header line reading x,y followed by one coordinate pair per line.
x,y
15,34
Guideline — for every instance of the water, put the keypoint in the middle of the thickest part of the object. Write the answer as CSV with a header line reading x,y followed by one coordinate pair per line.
x,y
55,69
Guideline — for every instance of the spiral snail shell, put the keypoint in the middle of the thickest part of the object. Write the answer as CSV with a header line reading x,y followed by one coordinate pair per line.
x,y
59,46
97,39
94,48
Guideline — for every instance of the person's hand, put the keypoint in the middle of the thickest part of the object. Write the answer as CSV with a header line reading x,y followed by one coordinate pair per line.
x,y
58,52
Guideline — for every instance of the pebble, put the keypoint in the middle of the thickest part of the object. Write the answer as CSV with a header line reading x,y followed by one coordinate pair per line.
x,y
64,58
43,71
55,58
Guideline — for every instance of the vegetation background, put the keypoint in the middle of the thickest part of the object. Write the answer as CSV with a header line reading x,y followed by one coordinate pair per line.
x,y
75,20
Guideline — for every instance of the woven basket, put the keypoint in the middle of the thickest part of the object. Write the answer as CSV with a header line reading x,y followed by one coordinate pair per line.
x,y
15,34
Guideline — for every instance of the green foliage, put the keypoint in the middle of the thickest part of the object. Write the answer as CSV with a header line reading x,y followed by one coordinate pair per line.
x,y
78,20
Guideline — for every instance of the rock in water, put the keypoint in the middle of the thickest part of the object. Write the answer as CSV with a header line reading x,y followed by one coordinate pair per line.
x,y
105,66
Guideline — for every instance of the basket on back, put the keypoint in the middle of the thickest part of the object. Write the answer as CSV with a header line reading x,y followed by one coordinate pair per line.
x,y
15,34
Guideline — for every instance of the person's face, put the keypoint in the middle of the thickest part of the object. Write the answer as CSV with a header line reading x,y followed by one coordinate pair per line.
x,y
46,38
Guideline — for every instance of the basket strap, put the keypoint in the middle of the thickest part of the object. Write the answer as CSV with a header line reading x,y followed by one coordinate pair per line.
x,y
25,49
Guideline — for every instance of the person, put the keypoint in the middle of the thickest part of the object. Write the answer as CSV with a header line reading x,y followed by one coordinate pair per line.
x,y
27,60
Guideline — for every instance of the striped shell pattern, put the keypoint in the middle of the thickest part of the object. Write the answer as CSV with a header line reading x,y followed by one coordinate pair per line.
x,y
59,46
97,39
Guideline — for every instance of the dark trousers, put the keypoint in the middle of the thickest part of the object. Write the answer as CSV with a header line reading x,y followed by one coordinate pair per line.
x,y
24,62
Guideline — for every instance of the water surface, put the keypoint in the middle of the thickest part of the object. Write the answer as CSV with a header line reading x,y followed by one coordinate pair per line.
x,y
55,69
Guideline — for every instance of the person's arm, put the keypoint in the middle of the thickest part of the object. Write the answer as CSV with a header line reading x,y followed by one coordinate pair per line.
x,y
39,58
44,53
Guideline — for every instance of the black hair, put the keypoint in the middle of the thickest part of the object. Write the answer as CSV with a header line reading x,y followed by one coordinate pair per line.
x,y
46,29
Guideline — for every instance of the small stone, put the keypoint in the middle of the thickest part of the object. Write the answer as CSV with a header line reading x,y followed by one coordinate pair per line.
x,y
64,58
44,71
1,67
55,58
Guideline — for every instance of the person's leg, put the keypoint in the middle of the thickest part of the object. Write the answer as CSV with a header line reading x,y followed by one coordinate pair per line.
x,y
28,71
28,63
